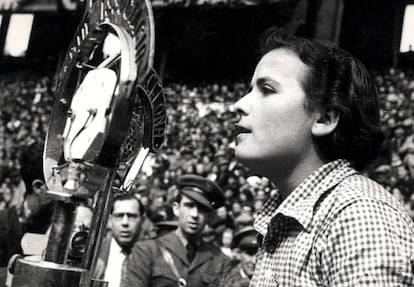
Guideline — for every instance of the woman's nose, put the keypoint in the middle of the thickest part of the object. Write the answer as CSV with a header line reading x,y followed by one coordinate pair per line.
x,y
242,106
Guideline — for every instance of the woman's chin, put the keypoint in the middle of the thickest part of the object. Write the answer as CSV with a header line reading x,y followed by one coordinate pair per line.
x,y
245,156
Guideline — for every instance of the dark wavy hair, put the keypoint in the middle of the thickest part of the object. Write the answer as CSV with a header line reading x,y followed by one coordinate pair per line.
x,y
337,81
128,196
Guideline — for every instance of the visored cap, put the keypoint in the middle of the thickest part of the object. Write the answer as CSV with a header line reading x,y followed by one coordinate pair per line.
x,y
201,190
246,238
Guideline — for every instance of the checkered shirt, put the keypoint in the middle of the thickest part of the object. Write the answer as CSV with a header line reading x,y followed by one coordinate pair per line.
x,y
337,228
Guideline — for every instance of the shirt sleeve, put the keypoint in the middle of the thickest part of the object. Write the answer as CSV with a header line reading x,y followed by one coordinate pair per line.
x,y
370,243
139,265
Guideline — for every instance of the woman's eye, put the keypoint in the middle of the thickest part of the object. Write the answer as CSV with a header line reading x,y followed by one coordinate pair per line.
x,y
267,90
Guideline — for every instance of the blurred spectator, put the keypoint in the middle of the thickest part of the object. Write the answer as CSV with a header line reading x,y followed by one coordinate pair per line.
x,y
5,195
245,247
32,215
209,234
126,221
242,221
226,242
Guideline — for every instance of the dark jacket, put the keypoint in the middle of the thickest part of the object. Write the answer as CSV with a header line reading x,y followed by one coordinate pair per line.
x,y
147,266
103,255
11,233
234,278
147,231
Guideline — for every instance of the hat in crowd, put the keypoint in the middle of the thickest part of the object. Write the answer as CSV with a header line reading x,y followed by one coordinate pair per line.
x,y
243,220
384,168
217,221
201,190
165,226
246,239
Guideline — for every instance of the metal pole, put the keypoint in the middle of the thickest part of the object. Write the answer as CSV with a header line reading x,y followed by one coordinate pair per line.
x,y
100,219
62,223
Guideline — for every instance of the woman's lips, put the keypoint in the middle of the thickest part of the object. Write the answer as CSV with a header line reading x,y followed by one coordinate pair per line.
x,y
241,130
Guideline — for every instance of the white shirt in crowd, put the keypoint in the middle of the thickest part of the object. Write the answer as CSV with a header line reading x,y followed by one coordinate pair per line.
x,y
114,266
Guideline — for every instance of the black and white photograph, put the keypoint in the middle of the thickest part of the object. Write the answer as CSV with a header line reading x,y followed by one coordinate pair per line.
x,y
206,143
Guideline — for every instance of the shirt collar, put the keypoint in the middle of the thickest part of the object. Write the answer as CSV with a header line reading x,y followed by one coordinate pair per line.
x,y
184,241
118,248
115,246
300,203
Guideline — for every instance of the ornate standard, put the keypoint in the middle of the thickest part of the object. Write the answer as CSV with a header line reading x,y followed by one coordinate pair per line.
x,y
108,114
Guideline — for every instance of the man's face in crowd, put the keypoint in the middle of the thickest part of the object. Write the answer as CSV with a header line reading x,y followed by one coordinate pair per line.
x,y
248,261
227,238
276,126
38,186
222,212
126,221
6,191
236,208
192,217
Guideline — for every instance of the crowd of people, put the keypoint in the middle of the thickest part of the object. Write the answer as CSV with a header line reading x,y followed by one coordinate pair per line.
x,y
199,140
394,168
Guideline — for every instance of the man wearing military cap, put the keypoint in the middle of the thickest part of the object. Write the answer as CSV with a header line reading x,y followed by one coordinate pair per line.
x,y
245,245
180,257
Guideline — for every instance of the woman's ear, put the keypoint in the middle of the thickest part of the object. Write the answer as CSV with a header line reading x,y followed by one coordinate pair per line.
x,y
325,122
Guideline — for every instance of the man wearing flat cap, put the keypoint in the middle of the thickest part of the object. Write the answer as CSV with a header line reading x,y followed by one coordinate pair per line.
x,y
180,257
245,245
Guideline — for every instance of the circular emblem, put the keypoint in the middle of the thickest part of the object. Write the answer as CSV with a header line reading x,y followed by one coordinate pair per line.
x,y
136,114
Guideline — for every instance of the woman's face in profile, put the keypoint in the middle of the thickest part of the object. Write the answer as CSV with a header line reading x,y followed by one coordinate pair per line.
x,y
275,126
